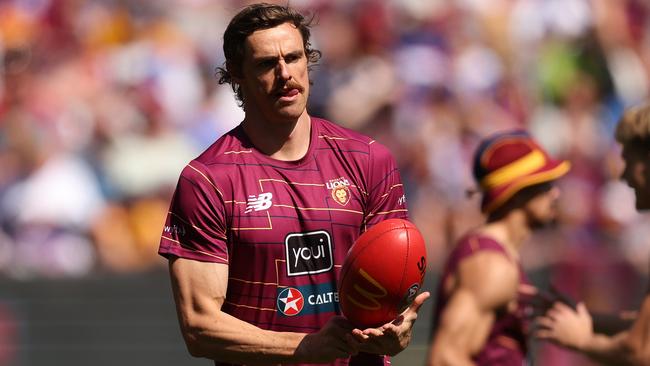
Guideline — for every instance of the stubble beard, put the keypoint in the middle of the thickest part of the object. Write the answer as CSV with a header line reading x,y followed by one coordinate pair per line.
x,y
536,223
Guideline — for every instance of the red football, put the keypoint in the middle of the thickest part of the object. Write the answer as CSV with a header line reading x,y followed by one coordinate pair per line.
x,y
382,273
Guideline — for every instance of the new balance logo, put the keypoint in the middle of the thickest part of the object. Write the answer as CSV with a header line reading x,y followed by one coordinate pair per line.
x,y
259,202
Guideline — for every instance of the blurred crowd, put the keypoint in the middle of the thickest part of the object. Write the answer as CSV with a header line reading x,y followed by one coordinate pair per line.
x,y
102,103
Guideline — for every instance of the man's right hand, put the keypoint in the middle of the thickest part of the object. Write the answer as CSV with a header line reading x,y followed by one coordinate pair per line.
x,y
566,327
333,341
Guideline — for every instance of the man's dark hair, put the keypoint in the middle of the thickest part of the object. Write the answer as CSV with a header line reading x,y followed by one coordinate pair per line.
x,y
252,18
519,200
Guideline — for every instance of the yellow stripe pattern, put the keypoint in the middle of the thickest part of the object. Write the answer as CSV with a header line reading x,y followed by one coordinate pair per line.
x,y
519,168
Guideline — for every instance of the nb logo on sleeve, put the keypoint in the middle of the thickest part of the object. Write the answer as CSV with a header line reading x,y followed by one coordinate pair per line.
x,y
259,203
401,200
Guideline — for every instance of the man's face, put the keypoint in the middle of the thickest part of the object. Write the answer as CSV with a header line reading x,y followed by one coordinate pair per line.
x,y
637,173
274,76
541,209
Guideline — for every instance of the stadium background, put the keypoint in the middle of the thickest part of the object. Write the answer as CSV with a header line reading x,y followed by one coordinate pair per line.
x,y
103,102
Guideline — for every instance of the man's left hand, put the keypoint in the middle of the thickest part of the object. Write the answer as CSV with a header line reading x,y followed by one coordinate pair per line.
x,y
392,338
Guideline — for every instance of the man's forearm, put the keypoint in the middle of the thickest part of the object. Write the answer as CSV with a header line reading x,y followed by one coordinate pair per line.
x,y
610,350
229,339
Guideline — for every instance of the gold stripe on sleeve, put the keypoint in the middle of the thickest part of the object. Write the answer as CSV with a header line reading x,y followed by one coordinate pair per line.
x,y
194,226
194,250
206,178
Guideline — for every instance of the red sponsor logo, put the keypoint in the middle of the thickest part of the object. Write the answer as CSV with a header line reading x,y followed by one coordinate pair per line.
x,y
290,301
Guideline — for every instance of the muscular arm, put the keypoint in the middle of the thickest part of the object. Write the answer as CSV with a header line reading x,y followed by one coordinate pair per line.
x,y
574,330
199,291
486,282
638,337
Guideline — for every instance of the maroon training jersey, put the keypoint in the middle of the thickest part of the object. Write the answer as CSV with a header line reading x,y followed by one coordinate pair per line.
x,y
284,228
506,343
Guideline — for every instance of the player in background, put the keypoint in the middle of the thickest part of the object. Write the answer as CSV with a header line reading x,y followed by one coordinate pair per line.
x,y
261,221
482,300
574,328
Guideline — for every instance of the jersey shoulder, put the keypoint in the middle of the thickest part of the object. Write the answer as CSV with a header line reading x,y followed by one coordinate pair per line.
x,y
332,130
217,164
230,147
345,138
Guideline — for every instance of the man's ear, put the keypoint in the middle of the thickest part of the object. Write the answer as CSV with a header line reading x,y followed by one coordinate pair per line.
x,y
235,72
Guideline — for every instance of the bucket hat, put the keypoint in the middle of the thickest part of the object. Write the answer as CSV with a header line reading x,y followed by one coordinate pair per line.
x,y
507,162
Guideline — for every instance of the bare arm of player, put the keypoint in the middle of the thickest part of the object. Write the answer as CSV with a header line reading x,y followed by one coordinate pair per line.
x,y
638,339
199,292
574,330
485,283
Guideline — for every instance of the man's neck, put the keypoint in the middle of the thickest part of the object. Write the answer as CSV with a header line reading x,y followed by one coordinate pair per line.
x,y
511,231
281,140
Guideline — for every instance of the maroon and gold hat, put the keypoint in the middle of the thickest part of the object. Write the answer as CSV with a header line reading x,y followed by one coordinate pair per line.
x,y
506,162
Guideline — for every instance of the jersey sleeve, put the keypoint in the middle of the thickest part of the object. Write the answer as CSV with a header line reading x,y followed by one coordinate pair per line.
x,y
195,227
386,198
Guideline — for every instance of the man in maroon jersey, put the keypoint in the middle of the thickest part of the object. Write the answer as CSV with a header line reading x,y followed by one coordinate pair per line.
x,y
260,222
481,309
575,328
